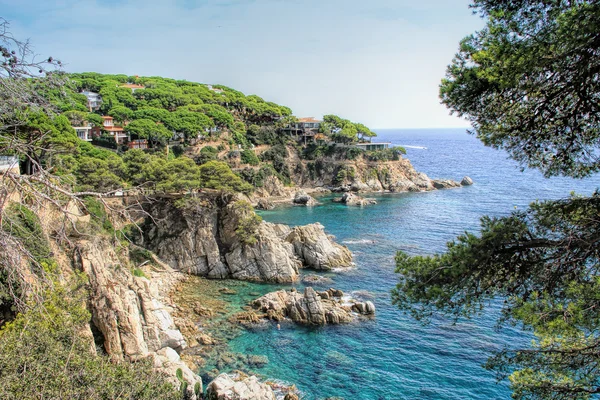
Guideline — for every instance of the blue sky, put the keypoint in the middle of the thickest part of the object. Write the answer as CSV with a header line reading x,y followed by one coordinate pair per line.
x,y
378,62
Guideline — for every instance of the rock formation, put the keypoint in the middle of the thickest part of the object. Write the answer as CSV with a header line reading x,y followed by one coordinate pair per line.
x,y
466,181
202,239
316,249
238,387
351,199
445,184
131,314
303,199
311,307
265,204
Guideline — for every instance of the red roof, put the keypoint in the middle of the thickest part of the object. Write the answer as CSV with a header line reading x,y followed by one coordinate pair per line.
x,y
309,120
106,117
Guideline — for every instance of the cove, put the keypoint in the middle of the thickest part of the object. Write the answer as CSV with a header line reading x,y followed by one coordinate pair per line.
x,y
393,356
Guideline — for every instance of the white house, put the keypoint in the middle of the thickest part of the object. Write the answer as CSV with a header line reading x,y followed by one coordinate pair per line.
x,y
94,100
84,132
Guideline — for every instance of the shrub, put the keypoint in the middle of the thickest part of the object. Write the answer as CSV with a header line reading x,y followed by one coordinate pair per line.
x,y
249,157
248,223
218,175
207,154
44,355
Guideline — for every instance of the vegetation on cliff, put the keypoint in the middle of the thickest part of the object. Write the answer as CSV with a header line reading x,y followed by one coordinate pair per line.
x,y
528,83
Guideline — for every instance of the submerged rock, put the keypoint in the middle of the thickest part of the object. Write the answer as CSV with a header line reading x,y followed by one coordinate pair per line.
x,y
466,181
311,307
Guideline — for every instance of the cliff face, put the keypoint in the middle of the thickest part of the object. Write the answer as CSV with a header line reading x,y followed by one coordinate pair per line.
x,y
203,238
133,313
360,175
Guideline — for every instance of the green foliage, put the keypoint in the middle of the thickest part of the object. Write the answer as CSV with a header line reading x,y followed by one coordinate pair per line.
x,y
218,175
528,83
23,224
138,272
121,113
277,156
148,129
391,154
343,130
249,157
99,216
256,177
248,222
207,153
545,264
44,355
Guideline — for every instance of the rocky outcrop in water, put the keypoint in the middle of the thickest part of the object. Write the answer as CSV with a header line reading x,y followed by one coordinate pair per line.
x,y
316,249
131,314
445,184
311,307
466,181
238,387
303,199
351,199
204,239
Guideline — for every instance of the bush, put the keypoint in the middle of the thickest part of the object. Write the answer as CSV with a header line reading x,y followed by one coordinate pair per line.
x,y
391,154
218,175
277,156
43,355
249,157
207,154
98,214
248,223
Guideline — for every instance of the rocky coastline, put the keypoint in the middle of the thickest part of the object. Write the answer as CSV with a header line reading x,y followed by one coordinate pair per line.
x,y
150,309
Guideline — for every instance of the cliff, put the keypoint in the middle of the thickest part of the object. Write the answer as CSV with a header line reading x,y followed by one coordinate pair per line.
x,y
221,237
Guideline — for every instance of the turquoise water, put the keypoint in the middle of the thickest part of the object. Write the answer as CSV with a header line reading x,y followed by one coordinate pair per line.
x,y
394,357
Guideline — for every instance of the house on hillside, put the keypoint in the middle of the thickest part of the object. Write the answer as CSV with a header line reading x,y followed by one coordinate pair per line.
x,y
109,127
304,129
138,144
94,100
84,132
132,86
372,145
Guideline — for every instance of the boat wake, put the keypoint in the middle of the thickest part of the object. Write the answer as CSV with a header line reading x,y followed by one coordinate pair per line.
x,y
358,241
413,147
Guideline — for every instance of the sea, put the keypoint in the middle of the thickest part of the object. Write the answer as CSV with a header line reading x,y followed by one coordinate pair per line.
x,y
393,356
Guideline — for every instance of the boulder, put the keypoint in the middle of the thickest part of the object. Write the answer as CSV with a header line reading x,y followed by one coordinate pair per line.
x,y
304,199
265,204
445,184
351,199
466,181
316,249
312,308
238,387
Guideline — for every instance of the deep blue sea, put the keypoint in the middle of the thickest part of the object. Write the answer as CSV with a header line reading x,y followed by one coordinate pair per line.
x,y
393,356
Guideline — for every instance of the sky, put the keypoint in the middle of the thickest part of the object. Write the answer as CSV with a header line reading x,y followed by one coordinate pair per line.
x,y
378,62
